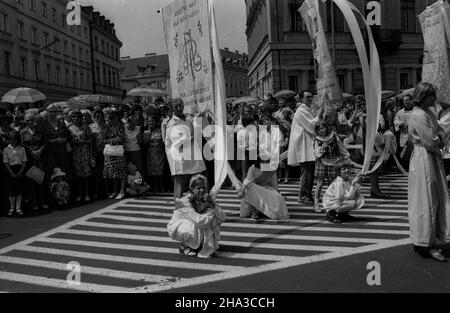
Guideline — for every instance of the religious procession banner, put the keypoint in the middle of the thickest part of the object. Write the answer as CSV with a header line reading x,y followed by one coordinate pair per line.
x,y
186,26
328,89
435,61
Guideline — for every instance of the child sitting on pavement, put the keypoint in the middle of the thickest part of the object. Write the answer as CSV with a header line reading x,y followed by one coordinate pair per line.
x,y
343,196
136,186
59,188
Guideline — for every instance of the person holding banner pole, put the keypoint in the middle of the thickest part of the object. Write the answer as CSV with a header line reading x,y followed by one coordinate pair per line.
x,y
428,199
182,150
301,147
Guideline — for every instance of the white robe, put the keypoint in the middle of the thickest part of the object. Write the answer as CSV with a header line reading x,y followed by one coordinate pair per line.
x,y
302,137
428,199
183,151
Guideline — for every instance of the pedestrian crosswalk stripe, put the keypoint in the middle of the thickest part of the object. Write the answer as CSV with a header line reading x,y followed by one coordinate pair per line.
x,y
223,242
128,242
285,227
387,222
162,263
63,284
87,269
247,234
295,217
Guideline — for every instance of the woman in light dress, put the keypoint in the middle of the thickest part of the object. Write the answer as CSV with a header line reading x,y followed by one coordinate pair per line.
x,y
428,199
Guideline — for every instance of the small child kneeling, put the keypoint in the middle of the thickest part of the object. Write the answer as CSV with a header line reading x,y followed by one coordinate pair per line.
x,y
343,196
136,186
59,188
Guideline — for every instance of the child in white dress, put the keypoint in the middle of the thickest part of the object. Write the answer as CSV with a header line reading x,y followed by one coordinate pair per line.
x,y
195,223
343,196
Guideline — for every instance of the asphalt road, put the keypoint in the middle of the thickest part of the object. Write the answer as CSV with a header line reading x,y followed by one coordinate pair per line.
x,y
123,246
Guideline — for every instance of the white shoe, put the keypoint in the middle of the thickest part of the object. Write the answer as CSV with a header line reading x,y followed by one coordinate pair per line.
x,y
317,208
120,196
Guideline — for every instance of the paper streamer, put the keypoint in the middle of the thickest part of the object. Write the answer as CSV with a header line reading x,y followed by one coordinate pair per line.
x,y
220,151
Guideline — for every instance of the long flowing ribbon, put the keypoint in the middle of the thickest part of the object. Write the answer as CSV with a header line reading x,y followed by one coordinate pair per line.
x,y
220,152
371,74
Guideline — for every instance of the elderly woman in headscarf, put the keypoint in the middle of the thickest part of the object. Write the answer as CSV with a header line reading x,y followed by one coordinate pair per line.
x,y
195,223
428,199
82,154
57,139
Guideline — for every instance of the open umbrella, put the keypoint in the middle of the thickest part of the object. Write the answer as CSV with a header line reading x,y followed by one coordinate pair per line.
x,y
347,95
249,100
386,94
88,101
23,95
146,92
62,105
284,94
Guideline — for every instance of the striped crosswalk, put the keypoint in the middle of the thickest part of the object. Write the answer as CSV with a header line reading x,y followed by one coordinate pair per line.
x,y
125,247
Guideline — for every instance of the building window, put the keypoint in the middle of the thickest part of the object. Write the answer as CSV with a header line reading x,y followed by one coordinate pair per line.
x,y
104,81
85,32
33,5
48,70
80,51
66,44
96,42
56,45
408,16
34,35
58,74
293,83
45,39
44,9
103,46
297,24
67,77
63,20
74,51
23,67
97,72
74,79
404,81
87,55
54,15
107,48
342,82
339,21
81,80
37,69
20,29
4,22
7,62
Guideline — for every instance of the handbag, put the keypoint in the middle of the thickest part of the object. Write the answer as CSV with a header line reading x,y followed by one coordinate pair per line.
x,y
116,151
35,174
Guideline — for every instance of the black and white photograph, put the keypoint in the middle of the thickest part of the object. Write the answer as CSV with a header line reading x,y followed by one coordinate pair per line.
x,y
225,152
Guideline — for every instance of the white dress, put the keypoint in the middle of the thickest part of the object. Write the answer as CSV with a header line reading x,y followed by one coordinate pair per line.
x,y
262,194
196,230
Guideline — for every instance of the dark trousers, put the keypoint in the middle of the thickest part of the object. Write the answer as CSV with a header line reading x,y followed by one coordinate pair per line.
x,y
307,179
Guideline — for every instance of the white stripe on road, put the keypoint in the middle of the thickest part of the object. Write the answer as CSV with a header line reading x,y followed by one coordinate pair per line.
x,y
231,255
249,234
223,242
140,261
58,283
273,267
87,269
286,227
112,216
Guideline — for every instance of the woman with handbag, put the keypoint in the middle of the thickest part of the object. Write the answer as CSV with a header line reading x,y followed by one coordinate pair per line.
x,y
57,146
34,145
97,127
82,155
115,166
